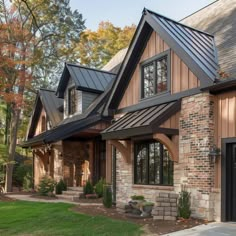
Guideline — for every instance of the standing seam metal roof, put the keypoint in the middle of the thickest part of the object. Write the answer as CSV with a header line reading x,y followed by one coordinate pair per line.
x,y
199,45
142,121
86,79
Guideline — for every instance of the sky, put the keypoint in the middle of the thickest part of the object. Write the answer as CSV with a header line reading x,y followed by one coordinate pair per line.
x,y
126,12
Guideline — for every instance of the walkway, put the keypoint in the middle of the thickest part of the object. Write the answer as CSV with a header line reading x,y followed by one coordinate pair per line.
x,y
25,197
211,229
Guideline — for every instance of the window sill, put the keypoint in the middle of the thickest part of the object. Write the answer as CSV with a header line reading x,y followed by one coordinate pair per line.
x,y
155,187
158,95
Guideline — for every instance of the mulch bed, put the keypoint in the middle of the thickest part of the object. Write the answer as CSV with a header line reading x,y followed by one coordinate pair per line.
x,y
149,225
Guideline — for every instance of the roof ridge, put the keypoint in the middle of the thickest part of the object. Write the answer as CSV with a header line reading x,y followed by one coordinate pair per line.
x,y
89,68
49,90
198,10
177,22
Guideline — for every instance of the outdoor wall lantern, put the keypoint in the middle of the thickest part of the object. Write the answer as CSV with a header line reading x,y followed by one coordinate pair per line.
x,y
214,154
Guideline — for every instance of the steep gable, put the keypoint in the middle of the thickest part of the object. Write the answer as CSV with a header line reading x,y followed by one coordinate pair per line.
x,y
193,50
47,105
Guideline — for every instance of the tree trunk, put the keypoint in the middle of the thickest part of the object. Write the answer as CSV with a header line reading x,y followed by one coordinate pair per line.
x,y
15,117
7,127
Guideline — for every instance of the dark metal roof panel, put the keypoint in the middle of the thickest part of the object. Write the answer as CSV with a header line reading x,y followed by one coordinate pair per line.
x,y
199,45
51,104
90,79
148,118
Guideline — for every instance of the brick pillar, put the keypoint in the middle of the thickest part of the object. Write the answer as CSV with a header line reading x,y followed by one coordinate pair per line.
x,y
194,171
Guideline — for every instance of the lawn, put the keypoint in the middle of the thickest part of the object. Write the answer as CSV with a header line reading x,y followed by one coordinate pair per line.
x,y
44,219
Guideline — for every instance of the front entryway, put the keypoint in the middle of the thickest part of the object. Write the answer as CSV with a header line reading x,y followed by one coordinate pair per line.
x,y
229,180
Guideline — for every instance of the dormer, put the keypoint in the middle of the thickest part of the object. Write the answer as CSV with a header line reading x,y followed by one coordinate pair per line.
x,y
80,86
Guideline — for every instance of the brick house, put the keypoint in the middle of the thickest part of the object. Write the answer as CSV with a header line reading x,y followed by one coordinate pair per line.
x,y
64,132
174,107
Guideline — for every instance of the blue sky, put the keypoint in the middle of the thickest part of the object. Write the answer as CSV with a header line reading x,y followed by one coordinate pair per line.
x,y
126,12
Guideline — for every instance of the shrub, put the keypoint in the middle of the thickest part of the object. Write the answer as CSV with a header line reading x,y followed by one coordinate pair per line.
x,y
88,188
184,204
46,186
28,182
99,187
61,186
107,196
137,197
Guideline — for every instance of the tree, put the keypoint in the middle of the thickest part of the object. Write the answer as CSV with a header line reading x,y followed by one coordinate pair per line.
x,y
96,48
36,36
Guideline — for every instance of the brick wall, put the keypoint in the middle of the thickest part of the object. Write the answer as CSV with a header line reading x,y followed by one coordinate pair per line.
x,y
196,136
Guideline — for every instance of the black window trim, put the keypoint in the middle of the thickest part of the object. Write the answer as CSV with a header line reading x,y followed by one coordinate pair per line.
x,y
157,57
147,174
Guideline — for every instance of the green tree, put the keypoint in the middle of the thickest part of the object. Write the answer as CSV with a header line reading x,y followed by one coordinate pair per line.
x,y
96,48
36,37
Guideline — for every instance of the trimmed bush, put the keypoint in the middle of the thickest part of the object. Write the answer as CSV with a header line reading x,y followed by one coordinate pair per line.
x,y
137,197
61,186
107,196
184,204
88,188
99,187
46,186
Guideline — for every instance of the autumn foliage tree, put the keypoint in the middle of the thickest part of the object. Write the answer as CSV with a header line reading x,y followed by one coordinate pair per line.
x,y
36,37
96,48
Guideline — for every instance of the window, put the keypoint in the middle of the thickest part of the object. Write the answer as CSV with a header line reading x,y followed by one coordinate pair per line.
x,y
152,164
155,76
43,124
72,101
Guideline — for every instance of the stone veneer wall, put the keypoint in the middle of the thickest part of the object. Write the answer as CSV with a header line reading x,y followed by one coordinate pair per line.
x,y
194,171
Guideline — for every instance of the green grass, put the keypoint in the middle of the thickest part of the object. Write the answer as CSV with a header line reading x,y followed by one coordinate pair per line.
x,y
49,219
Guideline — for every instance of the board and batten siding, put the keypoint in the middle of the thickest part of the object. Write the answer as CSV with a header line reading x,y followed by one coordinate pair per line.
x,y
225,124
39,127
225,118
181,77
87,99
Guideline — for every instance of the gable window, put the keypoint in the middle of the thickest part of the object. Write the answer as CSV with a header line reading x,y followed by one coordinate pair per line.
x,y
155,76
72,101
152,164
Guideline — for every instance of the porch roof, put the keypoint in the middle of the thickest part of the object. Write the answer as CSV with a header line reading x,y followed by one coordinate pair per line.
x,y
142,122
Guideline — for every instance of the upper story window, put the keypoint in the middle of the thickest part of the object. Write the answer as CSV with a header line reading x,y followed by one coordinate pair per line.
x,y
152,164
72,101
155,76
43,124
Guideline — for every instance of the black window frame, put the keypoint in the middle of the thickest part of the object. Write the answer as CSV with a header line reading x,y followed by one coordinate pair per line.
x,y
166,54
147,175
72,109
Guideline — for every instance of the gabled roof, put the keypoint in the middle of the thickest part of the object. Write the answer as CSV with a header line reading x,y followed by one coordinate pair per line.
x,y
72,125
46,99
142,122
85,79
114,64
194,47
219,19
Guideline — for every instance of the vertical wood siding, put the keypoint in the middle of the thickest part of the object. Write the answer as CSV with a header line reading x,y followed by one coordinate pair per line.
x,y
181,77
225,124
38,129
225,116
172,122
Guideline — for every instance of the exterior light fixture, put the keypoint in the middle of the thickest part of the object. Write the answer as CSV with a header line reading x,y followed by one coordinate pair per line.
x,y
214,154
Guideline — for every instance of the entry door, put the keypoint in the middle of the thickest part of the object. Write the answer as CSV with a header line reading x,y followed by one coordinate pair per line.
x,y
231,182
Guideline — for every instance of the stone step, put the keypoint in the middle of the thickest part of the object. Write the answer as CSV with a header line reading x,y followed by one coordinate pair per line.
x,y
72,193
80,189
68,197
